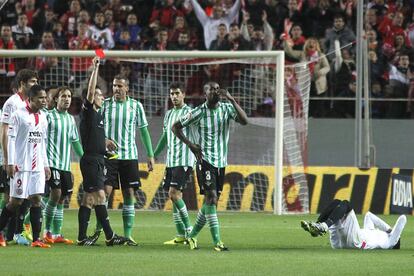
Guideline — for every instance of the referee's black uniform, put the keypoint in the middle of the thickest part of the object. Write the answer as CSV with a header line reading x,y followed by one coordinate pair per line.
x,y
93,141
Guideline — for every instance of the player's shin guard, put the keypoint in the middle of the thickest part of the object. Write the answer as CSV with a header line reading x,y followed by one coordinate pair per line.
x,y
200,222
102,216
36,221
58,220
179,226
213,223
128,216
83,220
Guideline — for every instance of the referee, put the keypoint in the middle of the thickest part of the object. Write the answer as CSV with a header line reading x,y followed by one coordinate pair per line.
x,y
92,165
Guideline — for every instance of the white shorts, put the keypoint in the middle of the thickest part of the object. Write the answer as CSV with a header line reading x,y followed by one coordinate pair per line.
x,y
25,184
346,233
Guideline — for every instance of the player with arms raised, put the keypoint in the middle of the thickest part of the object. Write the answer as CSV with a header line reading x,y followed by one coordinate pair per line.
x,y
92,165
212,120
179,163
27,161
62,133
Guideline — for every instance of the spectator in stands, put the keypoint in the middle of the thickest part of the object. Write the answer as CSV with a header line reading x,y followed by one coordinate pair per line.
x,y
84,17
295,15
246,26
371,20
49,20
399,80
81,65
377,107
22,34
8,14
124,41
161,40
255,9
318,67
180,25
7,65
109,21
54,73
376,65
133,27
100,34
237,42
373,43
340,32
389,28
346,108
47,43
182,44
379,6
210,24
120,11
261,37
68,19
35,15
59,36
297,40
165,12
319,18
221,43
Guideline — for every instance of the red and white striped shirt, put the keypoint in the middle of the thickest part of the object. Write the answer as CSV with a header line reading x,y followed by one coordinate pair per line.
x,y
27,140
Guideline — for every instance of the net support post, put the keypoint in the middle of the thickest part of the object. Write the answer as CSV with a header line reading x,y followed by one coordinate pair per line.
x,y
278,188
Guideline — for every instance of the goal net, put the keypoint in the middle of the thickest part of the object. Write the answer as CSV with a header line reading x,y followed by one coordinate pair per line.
x,y
256,178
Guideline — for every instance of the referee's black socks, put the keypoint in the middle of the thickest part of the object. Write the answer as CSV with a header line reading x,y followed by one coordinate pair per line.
x,y
83,220
102,217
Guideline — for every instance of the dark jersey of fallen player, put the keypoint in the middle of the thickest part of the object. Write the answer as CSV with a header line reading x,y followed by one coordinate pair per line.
x,y
92,131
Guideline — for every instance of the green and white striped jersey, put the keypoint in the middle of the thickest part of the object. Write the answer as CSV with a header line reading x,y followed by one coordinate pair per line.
x,y
213,128
121,120
61,132
178,153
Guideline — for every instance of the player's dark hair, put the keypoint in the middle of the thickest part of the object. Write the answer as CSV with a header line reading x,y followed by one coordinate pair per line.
x,y
85,92
176,85
35,90
122,77
25,75
61,89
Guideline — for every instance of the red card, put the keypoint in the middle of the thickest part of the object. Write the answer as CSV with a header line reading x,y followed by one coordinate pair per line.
x,y
99,53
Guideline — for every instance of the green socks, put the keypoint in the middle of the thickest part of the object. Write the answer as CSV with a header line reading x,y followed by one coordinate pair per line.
x,y
2,202
58,220
182,209
50,212
211,216
128,216
200,222
178,222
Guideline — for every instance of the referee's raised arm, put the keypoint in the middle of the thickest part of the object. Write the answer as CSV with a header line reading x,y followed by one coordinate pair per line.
x,y
90,96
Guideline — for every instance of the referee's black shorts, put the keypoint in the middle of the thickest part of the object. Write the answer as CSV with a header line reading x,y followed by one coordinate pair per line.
x,y
125,172
209,177
176,177
93,173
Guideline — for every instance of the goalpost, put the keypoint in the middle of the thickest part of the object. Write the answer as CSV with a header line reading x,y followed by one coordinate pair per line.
x,y
258,80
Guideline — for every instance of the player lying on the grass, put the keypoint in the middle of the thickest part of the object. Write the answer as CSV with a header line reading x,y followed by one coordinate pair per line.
x,y
62,135
212,121
92,165
340,220
27,161
179,163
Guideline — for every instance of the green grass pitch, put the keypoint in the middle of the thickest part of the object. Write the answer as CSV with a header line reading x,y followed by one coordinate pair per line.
x,y
260,244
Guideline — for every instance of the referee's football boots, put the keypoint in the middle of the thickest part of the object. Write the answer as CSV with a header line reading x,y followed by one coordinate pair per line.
x,y
117,240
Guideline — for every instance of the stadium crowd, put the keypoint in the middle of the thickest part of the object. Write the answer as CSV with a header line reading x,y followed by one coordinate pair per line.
x,y
320,32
